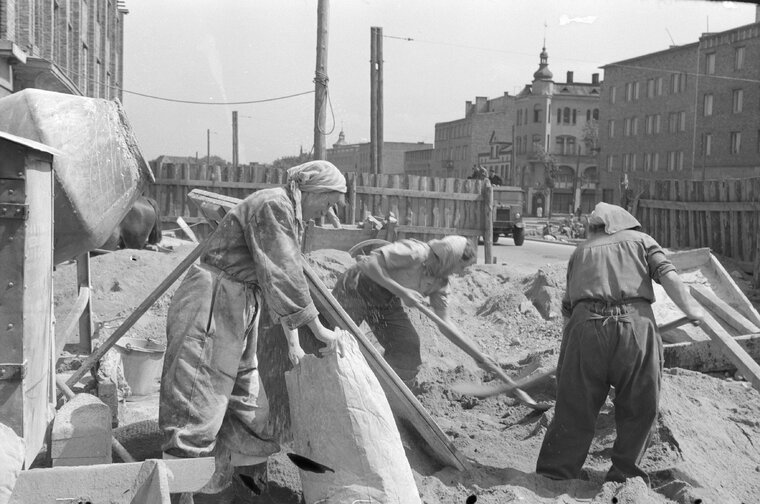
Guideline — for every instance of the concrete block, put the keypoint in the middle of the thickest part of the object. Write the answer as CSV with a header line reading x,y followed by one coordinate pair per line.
x,y
81,433
108,393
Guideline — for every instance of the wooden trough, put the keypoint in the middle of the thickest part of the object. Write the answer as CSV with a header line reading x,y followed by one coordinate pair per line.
x,y
732,320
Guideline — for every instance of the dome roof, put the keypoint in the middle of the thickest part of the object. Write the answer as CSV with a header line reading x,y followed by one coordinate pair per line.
x,y
543,72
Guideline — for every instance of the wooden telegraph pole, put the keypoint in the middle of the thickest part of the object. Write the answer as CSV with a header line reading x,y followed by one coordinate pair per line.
x,y
376,100
320,79
234,141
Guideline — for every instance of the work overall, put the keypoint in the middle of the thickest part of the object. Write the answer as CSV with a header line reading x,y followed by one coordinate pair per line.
x,y
210,386
365,300
604,344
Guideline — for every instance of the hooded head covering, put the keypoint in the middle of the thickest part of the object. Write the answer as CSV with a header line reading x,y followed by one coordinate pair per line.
x,y
449,251
613,217
314,176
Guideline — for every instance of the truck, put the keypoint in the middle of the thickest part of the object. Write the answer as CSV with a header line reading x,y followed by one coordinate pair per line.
x,y
508,210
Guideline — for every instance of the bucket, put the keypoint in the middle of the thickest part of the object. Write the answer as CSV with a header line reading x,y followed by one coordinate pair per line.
x,y
143,360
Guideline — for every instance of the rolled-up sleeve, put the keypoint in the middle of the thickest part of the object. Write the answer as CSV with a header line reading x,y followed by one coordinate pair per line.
x,y
271,236
658,263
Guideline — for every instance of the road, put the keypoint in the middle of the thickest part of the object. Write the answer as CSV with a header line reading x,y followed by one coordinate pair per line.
x,y
529,257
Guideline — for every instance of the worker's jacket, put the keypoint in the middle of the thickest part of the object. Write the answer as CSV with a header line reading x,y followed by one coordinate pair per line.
x,y
258,242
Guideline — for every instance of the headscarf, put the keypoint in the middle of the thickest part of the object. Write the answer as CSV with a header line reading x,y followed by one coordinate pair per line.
x,y
449,251
314,176
613,217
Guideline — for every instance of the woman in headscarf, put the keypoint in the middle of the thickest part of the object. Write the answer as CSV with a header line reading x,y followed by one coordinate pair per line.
x,y
405,271
610,339
212,401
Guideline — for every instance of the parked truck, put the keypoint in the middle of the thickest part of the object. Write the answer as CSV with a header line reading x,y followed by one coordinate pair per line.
x,y
509,207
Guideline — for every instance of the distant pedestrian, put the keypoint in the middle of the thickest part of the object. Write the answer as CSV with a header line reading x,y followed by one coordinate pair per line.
x,y
494,177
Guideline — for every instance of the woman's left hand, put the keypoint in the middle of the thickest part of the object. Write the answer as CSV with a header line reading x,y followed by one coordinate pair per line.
x,y
332,339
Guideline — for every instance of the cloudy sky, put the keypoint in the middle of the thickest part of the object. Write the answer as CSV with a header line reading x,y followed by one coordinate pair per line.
x,y
219,52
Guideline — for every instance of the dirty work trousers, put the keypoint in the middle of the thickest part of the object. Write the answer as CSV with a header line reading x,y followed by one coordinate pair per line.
x,y
603,346
210,387
385,315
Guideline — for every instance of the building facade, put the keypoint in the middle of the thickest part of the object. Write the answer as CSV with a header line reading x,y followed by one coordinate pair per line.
x,y
498,158
68,46
687,112
555,149
458,143
355,157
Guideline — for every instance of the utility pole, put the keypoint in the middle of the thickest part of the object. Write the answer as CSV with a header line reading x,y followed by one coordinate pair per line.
x,y
376,100
208,148
234,141
320,79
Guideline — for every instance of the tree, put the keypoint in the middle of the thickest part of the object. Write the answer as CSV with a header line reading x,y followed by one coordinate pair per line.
x,y
551,171
590,135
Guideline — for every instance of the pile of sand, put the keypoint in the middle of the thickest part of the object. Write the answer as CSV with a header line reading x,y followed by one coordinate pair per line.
x,y
707,431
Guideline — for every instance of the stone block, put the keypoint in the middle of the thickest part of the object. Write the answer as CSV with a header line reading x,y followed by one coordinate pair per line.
x,y
81,433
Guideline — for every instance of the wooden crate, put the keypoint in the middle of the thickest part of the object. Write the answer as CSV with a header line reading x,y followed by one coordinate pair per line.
x,y
26,266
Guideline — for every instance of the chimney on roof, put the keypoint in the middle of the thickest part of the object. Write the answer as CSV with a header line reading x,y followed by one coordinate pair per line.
x,y
569,77
595,79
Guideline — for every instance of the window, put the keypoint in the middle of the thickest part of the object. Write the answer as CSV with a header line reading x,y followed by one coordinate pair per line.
x,y
736,142
633,161
588,115
659,86
673,122
636,90
537,141
648,125
738,58
710,64
647,161
613,93
566,115
627,126
657,123
679,160
629,91
650,88
708,105
610,162
707,144
737,100
536,114
677,83
559,115
635,126
575,116
519,117
611,128
595,114
682,121
656,161
671,160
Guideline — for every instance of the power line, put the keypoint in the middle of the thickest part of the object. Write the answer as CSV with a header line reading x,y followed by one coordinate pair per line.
x,y
194,102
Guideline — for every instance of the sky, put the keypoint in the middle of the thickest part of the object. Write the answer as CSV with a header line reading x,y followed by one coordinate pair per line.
x,y
263,53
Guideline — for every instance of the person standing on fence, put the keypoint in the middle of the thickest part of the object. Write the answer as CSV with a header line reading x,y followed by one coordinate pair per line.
x,y
610,339
405,271
212,401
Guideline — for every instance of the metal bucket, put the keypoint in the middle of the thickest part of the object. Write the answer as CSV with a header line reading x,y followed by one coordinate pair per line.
x,y
143,360
101,172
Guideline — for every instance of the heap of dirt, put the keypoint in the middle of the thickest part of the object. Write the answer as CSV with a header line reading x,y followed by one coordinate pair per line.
x,y
704,446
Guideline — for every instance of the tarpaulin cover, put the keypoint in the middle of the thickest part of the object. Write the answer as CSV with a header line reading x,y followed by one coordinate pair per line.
x,y
101,172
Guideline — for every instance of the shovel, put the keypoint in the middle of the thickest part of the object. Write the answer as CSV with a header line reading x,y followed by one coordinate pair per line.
x,y
486,362
482,391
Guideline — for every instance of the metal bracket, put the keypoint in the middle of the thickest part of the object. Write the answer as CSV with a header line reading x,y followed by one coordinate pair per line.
x,y
12,372
14,211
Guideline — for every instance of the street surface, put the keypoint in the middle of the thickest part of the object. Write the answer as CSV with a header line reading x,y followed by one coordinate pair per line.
x,y
531,256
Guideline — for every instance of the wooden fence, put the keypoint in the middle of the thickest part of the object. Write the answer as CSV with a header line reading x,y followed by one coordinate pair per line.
x,y
425,207
719,214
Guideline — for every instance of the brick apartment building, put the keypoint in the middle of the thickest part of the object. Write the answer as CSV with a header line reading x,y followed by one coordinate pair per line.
x,y
551,118
355,157
687,112
68,46
459,142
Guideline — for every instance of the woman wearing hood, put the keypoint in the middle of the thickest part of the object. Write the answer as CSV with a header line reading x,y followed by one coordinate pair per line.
x,y
212,401
404,271
610,338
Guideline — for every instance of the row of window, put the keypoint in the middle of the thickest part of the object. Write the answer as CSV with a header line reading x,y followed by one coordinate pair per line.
x,y
739,54
654,87
455,131
565,115
650,161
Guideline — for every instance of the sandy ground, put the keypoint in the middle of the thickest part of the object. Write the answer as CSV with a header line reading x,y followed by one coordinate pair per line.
x,y
706,445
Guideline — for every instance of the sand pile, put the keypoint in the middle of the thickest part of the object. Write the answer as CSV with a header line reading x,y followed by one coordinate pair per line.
x,y
707,434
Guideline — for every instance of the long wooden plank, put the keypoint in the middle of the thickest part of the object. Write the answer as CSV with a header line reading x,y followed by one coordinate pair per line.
x,y
707,356
723,310
403,403
700,206
744,306
732,350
